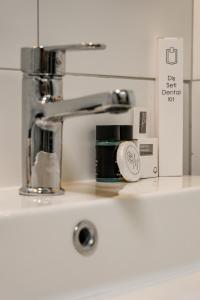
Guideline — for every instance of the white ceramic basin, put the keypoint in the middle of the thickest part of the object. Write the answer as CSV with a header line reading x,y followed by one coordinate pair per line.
x,y
148,233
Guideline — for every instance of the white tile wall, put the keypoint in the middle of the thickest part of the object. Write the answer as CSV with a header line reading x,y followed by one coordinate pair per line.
x,y
128,27
195,120
10,128
18,20
196,40
186,129
195,128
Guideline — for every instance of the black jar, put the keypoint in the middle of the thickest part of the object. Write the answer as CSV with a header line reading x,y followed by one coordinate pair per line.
x,y
108,138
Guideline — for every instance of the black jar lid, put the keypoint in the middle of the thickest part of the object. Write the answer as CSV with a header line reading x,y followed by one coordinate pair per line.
x,y
126,132
107,132
114,132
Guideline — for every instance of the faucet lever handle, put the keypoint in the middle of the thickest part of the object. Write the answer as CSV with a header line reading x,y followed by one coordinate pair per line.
x,y
76,47
50,60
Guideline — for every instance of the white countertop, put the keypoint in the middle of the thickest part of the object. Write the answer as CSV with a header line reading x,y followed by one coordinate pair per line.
x,y
90,191
161,185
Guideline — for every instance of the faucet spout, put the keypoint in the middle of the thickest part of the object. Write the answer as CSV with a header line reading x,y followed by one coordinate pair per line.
x,y
118,101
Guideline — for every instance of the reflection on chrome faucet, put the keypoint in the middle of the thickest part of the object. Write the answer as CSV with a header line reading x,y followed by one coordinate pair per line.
x,y
43,112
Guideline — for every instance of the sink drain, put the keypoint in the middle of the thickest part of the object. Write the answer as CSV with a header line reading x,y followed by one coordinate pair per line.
x,y
85,237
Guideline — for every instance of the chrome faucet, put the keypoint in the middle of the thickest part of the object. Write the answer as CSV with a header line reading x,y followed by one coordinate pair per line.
x,y
43,112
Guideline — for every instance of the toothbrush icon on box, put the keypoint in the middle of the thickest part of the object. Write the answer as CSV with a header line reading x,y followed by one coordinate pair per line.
x,y
171,56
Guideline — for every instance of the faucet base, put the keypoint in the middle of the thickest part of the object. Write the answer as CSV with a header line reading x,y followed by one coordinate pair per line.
x,y
30,191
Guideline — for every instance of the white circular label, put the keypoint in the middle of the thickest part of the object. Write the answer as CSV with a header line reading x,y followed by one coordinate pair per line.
x,y
128,160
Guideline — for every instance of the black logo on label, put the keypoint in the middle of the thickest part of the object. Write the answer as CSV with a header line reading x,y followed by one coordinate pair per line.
x,y
171,56
155,170
133,160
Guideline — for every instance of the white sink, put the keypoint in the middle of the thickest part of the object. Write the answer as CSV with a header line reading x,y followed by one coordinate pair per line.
x,y
148,233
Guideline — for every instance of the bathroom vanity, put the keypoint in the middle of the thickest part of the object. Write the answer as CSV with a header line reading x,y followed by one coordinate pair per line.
x,y
125,241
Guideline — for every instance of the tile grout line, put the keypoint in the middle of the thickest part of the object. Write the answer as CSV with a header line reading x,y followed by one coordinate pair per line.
x,y
104,75
110,76
190,127
9,69
118,76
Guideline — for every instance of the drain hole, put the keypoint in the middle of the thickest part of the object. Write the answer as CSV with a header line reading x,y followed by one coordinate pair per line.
x,y
84,237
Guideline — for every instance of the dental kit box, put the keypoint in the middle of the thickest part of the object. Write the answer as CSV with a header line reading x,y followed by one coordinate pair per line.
x,y
148,150
169,106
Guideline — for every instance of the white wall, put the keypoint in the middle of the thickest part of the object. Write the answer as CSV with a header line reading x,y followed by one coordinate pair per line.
x,y
128,27
195,92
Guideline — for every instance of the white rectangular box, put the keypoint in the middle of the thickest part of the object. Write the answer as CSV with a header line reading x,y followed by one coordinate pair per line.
x,y
170,106
140,122
148,150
